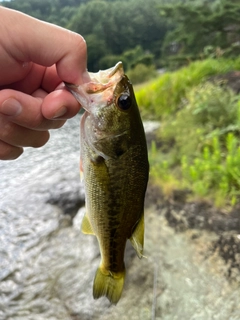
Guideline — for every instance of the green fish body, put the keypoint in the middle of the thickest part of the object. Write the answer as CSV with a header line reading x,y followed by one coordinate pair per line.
x,y
114,163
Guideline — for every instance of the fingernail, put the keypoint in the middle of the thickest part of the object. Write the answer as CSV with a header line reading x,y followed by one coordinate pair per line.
x,y
60,112
11,107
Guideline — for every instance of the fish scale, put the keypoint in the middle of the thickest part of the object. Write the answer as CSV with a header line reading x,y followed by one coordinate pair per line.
x,y
115,166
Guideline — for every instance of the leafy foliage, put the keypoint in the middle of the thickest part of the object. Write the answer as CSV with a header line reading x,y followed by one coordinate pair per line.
x,y
165,95
141,73
122,26
199,136
55,11
173,33
216,169
208,111
137,63
198,25
112,28
200,119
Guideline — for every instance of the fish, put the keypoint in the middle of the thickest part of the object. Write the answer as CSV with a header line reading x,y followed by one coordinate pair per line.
x,y
115,168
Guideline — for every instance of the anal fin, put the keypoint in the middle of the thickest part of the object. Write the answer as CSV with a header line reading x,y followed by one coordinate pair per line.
x,y
137,237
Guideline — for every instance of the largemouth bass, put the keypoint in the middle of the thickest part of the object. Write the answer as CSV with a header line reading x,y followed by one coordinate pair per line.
x,y
114,163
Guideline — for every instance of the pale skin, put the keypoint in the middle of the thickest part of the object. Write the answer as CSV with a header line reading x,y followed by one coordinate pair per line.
x,y
36,58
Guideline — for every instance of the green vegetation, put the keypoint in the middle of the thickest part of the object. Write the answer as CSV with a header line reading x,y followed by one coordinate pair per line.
x,y
127,30
199,134
153,33
141,73
200,116
164,95
54,11
200,29
121,27
216,171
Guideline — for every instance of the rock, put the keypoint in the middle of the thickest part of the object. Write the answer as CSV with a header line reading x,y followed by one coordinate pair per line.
x,y
151,128
47,265
68,195
231,79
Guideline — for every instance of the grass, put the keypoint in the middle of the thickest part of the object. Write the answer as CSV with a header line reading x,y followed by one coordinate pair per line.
x,y
164,95
200,129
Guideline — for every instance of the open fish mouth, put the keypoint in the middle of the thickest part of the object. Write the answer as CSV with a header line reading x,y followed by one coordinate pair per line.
x,y
107,77
88,94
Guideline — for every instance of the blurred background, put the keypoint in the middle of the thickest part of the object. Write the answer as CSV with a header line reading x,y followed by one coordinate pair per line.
x,y
183,60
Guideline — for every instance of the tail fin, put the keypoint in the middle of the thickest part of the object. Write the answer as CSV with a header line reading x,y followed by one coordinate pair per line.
x,y
109,284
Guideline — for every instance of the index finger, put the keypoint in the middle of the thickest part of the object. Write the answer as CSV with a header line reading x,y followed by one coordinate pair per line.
x,y
32,40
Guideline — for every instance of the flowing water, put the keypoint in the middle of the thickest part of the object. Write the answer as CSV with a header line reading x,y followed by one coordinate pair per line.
x,y
47,265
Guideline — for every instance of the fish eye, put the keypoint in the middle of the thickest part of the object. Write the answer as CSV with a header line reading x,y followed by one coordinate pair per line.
x,y
124,102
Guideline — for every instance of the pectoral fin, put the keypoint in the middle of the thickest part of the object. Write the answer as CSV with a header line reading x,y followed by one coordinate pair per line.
x,y
137,238
86,225
81,170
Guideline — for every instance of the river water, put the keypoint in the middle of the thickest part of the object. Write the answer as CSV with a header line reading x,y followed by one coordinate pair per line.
x,y
47,265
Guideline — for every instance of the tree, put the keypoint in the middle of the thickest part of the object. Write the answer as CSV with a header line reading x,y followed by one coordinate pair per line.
x,y
55,11
110,27
198,24
96,49
122,25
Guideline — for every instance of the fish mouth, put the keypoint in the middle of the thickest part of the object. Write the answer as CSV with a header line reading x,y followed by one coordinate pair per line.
x,y
109,76
100,89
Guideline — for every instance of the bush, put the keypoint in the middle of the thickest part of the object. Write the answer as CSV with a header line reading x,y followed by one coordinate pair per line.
x,y
136,56
164,95
200,147
110,60
213,105
141,73
216,171
208,110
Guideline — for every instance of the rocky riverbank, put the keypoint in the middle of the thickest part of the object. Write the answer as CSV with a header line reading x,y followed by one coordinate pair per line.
x,y
47,266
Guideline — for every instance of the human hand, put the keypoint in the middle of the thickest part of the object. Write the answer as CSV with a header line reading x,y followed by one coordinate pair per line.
x,y
35,59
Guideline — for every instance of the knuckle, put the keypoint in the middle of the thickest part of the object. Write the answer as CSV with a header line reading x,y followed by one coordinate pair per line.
x,y
79,43
58,124
36,123
8,152
7,129
41,140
